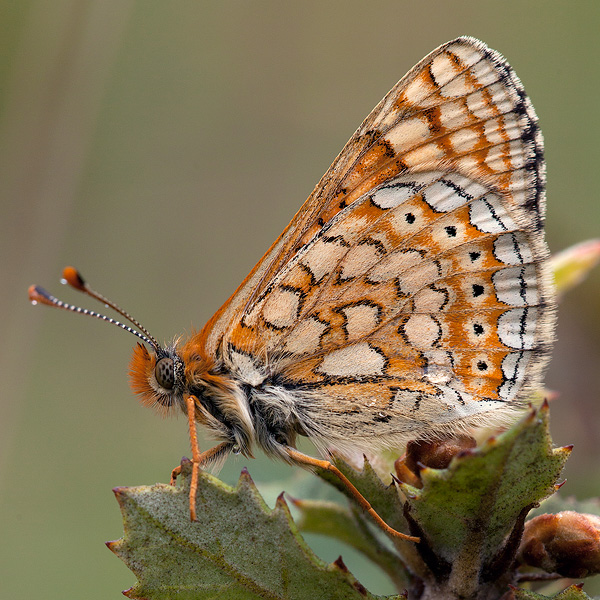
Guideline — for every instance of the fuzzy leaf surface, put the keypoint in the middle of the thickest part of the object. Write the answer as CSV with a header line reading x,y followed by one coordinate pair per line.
x,y
238,549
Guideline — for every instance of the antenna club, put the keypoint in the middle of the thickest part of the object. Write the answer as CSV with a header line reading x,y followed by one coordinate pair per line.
x,y
72,276
38,295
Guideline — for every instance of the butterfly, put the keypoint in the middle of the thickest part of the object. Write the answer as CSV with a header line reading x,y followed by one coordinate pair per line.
x,y
409,298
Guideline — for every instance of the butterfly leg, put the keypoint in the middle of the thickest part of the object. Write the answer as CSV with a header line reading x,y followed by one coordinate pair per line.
x,y
196,454
309,461
198,458
203,458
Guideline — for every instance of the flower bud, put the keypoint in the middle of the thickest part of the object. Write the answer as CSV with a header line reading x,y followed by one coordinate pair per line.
x,y
567,543
432,454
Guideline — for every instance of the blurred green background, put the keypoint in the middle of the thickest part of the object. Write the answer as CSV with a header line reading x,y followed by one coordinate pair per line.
x,y
160,147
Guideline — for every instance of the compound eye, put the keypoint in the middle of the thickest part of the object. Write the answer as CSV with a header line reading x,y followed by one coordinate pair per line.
x,y
165,373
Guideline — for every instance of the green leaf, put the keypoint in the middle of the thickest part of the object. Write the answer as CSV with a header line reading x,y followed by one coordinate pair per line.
x,y
335,521
386,501
573,592
238,548
382,497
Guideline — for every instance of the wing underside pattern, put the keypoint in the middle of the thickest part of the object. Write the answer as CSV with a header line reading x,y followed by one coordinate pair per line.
x,y
413,282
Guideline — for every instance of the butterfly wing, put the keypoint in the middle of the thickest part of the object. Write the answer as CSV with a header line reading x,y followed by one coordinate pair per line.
x,y
411,289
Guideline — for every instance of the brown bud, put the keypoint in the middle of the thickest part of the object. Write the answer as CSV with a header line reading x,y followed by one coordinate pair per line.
x,y
433,454
567,543
405,475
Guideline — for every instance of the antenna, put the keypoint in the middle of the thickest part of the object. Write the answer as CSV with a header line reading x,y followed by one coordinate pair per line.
x,y
72,277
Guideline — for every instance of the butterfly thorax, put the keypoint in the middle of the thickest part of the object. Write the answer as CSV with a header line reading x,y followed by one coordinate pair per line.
x,y
232,409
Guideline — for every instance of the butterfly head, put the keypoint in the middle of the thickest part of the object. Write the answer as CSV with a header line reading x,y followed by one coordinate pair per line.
x,y
157,376
165,378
